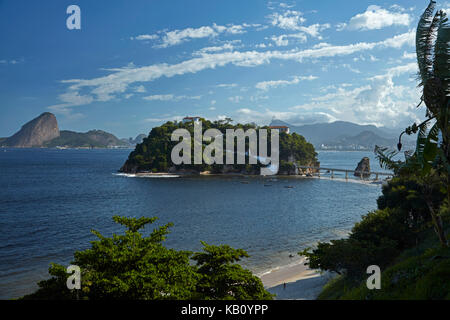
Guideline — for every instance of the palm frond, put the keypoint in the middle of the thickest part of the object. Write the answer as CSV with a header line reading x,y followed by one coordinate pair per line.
x,y
421,142
427,147
423,47
442,53
385,158
430,150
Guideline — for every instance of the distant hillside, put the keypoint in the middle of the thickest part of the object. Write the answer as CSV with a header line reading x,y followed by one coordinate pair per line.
x,y
34,133
43,132
345,134
133,142
140,138
91,139
364,140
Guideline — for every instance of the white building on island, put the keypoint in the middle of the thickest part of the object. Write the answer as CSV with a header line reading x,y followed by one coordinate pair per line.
x,y
191,119
284,129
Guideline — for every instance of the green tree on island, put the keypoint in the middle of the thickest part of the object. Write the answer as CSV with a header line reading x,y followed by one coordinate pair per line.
x,y
154,153
136,267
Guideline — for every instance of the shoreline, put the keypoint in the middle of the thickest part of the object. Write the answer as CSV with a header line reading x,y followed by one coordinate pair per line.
x,y
203,174
295,281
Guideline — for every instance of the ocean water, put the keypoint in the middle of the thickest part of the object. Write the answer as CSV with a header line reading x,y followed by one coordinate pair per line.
x,y
51,199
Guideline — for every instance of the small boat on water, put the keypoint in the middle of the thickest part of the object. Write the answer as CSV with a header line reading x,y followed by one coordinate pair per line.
x,y
289,187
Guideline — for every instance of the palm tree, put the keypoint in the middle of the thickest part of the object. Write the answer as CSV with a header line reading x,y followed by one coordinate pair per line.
x,y
431,157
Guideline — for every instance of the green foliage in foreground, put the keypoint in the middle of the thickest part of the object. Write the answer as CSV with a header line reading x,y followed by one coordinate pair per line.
x,y
132,266
381,235
398,237
421,273
431,159
413,204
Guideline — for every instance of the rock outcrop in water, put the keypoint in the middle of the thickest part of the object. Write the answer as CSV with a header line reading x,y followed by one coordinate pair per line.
x,y
35,133
363,168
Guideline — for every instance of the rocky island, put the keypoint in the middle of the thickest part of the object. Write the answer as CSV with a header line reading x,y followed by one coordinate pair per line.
x,y
363,168
153,155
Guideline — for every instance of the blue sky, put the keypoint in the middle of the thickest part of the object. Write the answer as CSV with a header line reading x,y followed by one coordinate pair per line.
x,y
137,64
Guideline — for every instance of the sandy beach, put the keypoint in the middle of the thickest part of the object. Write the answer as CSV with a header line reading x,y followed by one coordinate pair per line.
x,y
301,282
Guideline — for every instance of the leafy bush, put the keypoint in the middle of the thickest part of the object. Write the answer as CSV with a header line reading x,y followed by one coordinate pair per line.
x,y
351,257
131,266
380,236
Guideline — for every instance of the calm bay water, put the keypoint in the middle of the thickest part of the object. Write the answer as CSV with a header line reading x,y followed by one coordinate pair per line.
x,y
51,199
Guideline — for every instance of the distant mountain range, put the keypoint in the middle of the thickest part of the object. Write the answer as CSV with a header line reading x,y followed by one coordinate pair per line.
x,y
342,135
43,132
136,140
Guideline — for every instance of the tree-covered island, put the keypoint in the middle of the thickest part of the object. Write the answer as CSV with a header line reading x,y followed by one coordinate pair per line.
x,y
154,153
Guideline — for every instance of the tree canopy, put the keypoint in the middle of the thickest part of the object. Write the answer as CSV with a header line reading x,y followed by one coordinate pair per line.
x,y
132,266
154,153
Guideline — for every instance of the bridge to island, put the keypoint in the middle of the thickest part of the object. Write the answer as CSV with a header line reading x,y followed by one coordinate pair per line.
x,y
361,174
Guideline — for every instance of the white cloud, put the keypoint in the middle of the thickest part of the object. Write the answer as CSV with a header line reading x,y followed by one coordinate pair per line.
x,y
285,5
170,97
410,68
266,85
376,17
283,40
258,98
164,119
280,41
160,97
144,37
119,80
140,89
293,21
315,29
175,37
72,98
235,99
227,85
380,102
289,20
349,67
407,55
398,41
264,117
12,61
224,47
